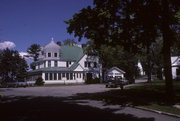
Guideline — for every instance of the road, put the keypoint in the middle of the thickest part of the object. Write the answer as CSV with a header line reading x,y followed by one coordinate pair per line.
x,y
51,103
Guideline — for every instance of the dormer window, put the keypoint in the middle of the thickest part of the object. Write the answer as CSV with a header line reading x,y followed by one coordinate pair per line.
x,y
55,54
49,54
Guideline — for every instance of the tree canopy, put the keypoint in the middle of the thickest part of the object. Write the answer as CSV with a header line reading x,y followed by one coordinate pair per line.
x,y
13,66
134,24
70,42
34,50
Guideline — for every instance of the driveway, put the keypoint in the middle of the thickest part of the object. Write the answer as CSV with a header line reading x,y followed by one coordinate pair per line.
x,y
56,91
52,101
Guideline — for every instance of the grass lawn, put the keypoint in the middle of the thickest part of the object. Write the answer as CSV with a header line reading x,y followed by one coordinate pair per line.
x,y
149,95
164,108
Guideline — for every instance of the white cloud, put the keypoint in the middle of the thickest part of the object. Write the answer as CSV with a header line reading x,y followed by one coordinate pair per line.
x,y
7,44
23,54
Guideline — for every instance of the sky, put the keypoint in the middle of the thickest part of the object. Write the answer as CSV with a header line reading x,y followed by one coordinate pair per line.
x,y
25,22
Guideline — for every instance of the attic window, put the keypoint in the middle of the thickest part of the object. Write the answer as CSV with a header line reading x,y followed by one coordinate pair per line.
x,y
49,54
55,54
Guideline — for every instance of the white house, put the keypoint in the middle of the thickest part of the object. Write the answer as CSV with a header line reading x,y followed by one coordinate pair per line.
x,y
64,64
115,72
175,66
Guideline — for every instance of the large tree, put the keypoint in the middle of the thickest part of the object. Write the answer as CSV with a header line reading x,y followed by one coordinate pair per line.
x,y
114,56
13,66
135,24
34,50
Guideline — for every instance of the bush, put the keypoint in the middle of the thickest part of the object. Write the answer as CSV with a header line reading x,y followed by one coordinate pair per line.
x,y
93,81
39,81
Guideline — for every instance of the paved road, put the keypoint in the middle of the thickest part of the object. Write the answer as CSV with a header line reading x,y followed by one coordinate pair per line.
x,y
58,91
66,91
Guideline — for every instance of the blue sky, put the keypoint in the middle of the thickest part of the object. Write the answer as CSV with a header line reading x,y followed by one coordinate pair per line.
x,y
25,22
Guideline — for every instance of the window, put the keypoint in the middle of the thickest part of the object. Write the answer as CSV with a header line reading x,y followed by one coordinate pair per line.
x,y
85,64
49,54
44,64
178,71
55,76
46,76
89,64
59,76
70,62
71,76
95,65
55,63
67,76
55,54
77,75
67,64
80,75
50,76
63,74
49,63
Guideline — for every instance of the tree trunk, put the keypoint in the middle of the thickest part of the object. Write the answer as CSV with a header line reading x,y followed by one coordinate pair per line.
x,y
148,64
167,36
159,73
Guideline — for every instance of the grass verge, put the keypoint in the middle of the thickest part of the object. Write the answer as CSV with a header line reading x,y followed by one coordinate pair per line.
x,y
168,109
149,95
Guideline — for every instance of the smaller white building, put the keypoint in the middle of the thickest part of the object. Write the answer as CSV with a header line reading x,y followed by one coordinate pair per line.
x,y
115,72
175,67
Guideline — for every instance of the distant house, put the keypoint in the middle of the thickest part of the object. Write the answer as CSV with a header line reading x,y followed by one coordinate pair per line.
x,y
115,72
64,64
175,66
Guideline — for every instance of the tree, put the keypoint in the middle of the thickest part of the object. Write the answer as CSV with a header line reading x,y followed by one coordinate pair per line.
x,y
70,42
58,43
34,50
13,67
117,56
132,23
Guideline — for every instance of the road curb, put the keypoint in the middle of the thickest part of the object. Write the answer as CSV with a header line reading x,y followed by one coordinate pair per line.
x,y
156,111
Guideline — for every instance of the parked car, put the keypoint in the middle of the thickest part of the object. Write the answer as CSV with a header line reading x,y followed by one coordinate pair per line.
x,y
14,84
115,82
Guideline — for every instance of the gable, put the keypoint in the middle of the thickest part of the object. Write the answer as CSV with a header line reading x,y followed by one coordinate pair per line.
x,y
115,70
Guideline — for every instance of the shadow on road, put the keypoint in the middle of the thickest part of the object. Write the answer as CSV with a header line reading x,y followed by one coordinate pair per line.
x,y
54,109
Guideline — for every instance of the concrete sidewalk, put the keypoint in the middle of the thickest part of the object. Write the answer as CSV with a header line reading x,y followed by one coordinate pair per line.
x,y
117,109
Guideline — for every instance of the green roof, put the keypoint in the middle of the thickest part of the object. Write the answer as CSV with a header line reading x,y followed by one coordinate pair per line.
x,y
68,53
71,53
51,69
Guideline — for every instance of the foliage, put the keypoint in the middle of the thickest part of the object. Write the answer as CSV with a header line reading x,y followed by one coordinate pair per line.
x,y
70,42
13,67
132,23
34,50
115,56
155,58
39,81
92,81
142,94
59,43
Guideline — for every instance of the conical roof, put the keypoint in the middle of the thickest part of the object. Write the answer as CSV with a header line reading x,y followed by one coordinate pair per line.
x,y
52,46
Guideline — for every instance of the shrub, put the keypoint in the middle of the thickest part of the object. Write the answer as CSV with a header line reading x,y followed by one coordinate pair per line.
x,y
93,81
39,81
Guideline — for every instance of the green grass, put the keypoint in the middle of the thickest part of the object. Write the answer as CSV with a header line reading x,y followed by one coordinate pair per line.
x,y
168,109
150,95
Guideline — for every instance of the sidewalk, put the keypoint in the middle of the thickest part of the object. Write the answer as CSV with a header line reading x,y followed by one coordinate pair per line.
x,y
135,111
